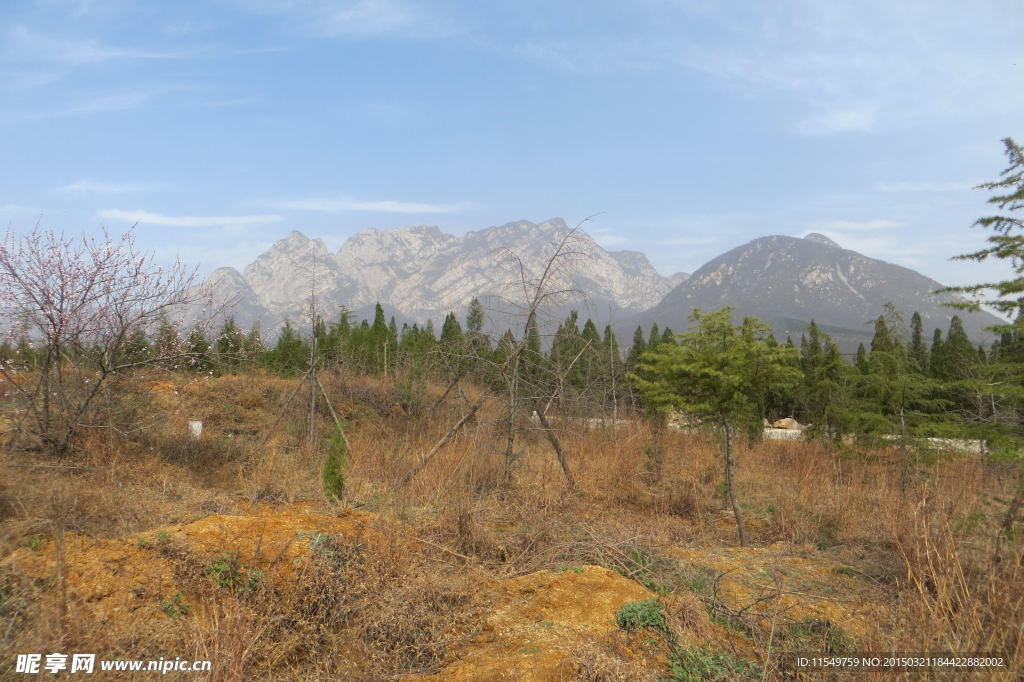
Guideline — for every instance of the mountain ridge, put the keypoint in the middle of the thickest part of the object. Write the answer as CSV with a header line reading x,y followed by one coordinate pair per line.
x,y
789,281
422,272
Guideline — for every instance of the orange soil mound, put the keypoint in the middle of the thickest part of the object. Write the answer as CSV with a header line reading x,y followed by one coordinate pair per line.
x,y
123,583
810,585
535,622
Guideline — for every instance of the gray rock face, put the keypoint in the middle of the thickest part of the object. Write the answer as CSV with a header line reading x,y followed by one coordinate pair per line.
x,y
421,273
787,282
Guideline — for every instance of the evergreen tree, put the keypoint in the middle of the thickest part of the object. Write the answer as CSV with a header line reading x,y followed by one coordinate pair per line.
x,y
824,390
918,350
654,337
228,346
137,348
883,341
378,341
1004,379
899,398
168,341
477,341
198,349
637,349
290,355
938,367
720,373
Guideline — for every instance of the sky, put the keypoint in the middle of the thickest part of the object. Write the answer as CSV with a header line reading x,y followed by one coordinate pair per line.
x,y
683,128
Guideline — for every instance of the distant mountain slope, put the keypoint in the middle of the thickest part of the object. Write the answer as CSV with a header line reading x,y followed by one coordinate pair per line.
x,y
788,281
420,273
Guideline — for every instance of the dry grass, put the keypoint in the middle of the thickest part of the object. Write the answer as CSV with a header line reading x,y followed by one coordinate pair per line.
x,y
923,542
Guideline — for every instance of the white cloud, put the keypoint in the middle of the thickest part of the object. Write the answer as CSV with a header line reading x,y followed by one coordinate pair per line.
x,y
690,241
149,218
862,118
124,101
84,52
928,186
856,225
878,246
861,67
359,19
331,205
85,186
608,239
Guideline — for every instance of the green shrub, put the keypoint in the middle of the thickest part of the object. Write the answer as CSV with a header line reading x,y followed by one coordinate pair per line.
x,y
175,606
700,664
335,466
642,614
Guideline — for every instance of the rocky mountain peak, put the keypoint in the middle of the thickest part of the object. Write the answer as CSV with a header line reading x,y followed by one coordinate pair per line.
x,y
787,282
818,238
422,272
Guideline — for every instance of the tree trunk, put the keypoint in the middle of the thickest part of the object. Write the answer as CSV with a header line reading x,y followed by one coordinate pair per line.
x,y
556,445
1014,509
510,435
730,486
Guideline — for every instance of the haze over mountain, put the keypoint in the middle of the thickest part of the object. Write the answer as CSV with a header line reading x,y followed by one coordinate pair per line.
x,y
421,273
788,281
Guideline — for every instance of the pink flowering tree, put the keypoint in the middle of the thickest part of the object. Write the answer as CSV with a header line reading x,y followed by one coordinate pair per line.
x,y
75,306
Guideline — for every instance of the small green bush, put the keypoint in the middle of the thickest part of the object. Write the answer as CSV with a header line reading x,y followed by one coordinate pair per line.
x,y
175,606
335,466
642,614
227,573
700,664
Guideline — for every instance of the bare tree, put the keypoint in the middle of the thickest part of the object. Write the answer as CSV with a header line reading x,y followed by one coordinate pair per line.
x,y
76,304
522,358
521,371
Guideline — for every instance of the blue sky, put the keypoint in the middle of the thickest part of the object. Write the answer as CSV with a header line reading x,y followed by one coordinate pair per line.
x,y
689,126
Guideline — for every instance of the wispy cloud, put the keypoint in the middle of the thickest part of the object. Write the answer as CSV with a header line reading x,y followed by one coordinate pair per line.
x,y
856,225
928,186
85,186
690,241
885,247
149,218
84,52
828,67
344,205
359,19
607,238
10,208
860,118
119,101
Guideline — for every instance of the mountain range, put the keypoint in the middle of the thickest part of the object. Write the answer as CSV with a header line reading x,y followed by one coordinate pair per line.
x,y
420,273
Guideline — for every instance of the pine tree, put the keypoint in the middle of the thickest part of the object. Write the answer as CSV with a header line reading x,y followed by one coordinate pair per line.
x,y
290,355
198,349
938,367
478,342
654,337
1004,380
637,349
918,350
862,359
228,346
895,389
721,373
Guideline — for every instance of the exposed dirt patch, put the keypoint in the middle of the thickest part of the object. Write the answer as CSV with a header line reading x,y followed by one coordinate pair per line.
x,y
536,624
122,583
777,582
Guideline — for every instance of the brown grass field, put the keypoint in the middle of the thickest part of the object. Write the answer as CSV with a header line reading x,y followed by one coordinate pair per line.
x,y
149,544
